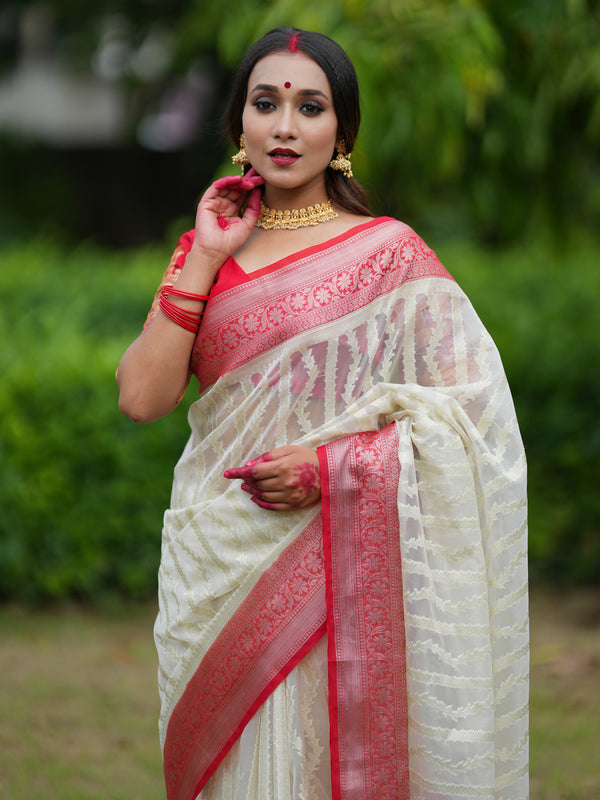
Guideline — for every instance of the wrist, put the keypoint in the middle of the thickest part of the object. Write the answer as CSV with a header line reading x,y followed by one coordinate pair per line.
x,y
204,259
199,271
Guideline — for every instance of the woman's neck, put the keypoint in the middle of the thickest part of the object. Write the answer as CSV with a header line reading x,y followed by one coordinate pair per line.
x,y
282,199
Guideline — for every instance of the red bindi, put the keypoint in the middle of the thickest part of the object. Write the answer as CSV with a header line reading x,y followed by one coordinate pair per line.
x,y
287,84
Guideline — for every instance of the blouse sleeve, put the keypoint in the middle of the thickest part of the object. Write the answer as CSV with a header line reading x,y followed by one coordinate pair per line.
x,y
184,245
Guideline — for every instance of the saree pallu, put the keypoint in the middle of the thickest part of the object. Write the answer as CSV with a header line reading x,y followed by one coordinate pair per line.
x,y
375,646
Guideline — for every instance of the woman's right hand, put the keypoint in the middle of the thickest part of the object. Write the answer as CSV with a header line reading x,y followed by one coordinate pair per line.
x,y
154,370
220,230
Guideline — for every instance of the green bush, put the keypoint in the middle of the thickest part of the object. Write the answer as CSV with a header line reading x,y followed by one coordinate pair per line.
x,y
83,489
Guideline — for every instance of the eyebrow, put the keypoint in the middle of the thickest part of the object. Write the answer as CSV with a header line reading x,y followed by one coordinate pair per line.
x,y
267,87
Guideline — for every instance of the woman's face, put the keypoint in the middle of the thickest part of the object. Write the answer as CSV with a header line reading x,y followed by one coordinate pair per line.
x,y
290,123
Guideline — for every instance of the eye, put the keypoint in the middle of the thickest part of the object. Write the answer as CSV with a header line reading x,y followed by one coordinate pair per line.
x,y
311,107
263,105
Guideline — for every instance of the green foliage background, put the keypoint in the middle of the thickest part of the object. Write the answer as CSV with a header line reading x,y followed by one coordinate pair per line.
x,y
478,116
482,117
83,489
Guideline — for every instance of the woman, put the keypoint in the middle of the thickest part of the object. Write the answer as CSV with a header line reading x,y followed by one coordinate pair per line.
x,y
350,620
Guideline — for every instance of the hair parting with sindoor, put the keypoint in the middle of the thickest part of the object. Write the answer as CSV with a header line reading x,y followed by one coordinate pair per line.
x,y
345,192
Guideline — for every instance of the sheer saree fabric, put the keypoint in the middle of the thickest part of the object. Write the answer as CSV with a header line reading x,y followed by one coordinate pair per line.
x,y
365,349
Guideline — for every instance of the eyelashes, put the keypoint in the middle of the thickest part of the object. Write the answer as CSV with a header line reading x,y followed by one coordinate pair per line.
x,y
263,105
310,107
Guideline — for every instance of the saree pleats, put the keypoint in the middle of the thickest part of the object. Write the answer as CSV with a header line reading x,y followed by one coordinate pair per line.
x,y
365,349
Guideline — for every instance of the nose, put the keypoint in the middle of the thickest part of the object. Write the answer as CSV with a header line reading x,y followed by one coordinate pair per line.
x,y
284,123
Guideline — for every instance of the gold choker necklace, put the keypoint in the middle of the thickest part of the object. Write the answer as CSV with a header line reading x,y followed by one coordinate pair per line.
x,y
292,218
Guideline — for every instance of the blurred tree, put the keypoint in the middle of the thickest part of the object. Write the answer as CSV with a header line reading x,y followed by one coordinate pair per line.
x,y
480,112
477,114
538,154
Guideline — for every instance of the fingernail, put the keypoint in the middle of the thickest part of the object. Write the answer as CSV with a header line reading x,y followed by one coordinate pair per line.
x,y
227,474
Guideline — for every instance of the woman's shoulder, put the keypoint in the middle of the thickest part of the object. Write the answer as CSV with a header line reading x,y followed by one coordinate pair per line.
x,y
395,227
382,224
392,233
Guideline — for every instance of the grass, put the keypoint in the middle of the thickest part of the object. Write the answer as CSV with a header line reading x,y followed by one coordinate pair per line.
x,y
78,706
565,696
78,703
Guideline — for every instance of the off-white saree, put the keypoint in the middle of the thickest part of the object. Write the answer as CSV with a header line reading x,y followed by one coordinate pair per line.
x,y
374,647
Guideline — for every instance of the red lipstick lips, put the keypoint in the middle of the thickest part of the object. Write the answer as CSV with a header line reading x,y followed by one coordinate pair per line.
x,y
283,156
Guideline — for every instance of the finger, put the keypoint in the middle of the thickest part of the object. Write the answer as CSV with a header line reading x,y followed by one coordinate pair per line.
x,y
264,475
246,473
239,473
242,183
301,478
253,208
272,506
226,182
273,486
275,454
268,483
268,456
252,181
252,489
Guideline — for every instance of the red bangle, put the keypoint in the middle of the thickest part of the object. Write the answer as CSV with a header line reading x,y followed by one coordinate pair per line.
x,y
187,295
189,320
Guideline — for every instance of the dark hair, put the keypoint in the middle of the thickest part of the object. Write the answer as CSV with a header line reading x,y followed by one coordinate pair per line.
x,y
345,192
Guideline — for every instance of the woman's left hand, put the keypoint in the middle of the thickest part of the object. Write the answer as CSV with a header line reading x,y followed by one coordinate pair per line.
x,y
284,479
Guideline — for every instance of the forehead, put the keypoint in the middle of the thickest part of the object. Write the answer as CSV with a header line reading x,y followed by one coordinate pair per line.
x,y
297,68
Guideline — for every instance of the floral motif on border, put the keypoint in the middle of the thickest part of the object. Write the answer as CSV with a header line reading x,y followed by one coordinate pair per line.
x,y
246,662
365,604
383,613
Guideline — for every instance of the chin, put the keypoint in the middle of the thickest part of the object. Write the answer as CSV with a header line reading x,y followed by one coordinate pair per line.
x,y
293,182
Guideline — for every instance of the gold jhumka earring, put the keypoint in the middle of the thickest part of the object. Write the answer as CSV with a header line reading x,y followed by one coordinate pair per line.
x,y
241,157
342,161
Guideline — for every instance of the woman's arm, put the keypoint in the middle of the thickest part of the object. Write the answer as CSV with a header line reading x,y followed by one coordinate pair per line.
x,y
153,371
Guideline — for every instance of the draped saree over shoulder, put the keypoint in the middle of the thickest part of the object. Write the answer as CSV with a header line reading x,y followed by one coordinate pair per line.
x,y
374,647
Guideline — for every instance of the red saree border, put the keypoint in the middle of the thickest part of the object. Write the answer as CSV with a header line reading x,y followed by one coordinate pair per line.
x,y
282,618
316,288
365,617
246,277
